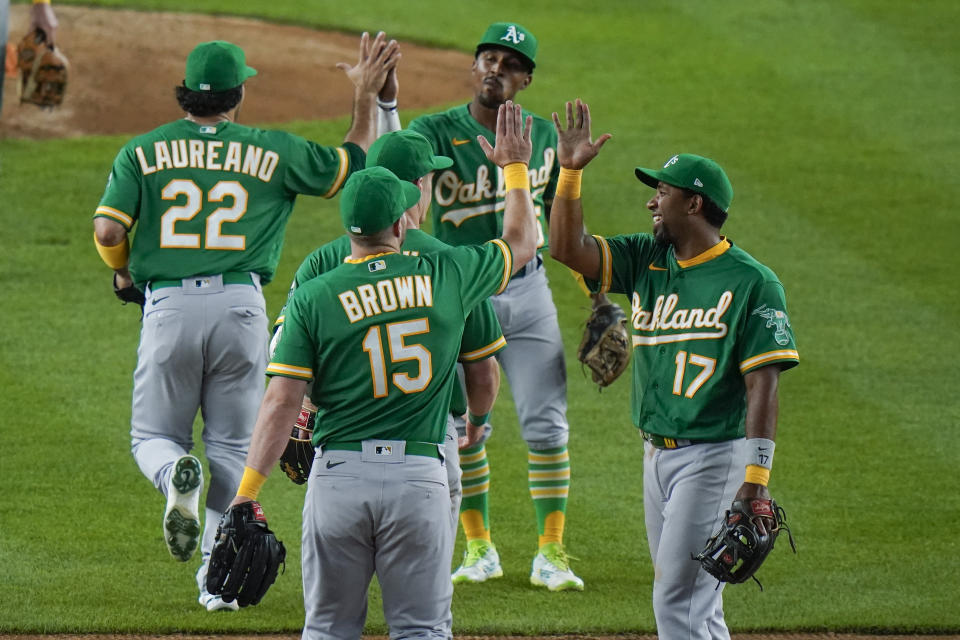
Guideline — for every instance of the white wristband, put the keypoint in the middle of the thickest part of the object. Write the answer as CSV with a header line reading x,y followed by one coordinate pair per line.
x,y
387,106
760,452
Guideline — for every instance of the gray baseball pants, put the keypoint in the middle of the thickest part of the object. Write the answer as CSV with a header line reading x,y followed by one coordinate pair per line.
x,y
533,359
200,348
388,514
686,491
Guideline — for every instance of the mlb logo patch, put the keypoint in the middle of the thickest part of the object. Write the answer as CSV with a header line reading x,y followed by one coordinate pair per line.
x,y
383,450
377,265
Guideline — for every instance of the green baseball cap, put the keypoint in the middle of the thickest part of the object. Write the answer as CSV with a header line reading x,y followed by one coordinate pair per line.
x,y
407,154
512,36
695,173
373,199
216,66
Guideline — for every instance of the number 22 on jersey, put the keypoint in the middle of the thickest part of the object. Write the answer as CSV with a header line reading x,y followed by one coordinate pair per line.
x,y
397,333
214,238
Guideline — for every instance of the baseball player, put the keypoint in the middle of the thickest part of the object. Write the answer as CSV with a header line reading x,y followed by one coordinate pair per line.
x,y
409,156
42,17
468,201
711,335
380,335
211,199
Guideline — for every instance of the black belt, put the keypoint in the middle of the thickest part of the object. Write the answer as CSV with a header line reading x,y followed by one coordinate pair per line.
x,y
530,267
427,449
661,442
229,277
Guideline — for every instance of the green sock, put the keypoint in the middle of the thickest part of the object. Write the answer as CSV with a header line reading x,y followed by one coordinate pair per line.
x,y
548,473
476,488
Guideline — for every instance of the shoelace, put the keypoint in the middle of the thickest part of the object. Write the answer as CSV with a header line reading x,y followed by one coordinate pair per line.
x,y
558,557
474,554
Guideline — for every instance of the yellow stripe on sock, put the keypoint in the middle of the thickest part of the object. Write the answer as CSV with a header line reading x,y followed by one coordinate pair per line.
x,y
472,521
469,492
549,458
553,528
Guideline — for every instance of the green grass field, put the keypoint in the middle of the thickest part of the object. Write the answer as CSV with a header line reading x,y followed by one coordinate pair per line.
x,y
838,125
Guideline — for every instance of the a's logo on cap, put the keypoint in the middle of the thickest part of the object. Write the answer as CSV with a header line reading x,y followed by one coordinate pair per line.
x,y
377,265
204,86
671,161
697,182
512,35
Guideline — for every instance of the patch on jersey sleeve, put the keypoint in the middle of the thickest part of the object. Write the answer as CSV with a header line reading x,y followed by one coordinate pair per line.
x,y
776,320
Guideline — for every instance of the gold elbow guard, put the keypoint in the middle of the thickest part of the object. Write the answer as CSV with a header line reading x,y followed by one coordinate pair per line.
x,y
117,256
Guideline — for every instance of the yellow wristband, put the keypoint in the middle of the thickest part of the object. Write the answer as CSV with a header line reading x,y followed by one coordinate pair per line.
x,y
515,176
116,256
757,474
251,483
568,184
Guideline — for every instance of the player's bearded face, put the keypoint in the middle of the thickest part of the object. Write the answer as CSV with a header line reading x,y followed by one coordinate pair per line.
x,y
666,205
498,75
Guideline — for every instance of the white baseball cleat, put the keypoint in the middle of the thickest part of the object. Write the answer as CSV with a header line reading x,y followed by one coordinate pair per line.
x,y
209,601
480,563
551,569
181,520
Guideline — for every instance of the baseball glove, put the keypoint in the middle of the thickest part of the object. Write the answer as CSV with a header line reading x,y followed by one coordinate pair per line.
x,y
297,459
605,347
745,539
43,71
246,556
128,294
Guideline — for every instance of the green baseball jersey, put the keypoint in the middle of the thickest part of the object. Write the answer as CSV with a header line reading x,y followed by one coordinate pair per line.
x,y
381,337
209,199
697,327
468,198
482,335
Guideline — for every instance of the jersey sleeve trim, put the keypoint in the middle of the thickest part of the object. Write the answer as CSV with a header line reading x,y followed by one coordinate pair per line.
x,y
507,263
484,352
289,371
342,172
279,320
114,214
784,355
606,265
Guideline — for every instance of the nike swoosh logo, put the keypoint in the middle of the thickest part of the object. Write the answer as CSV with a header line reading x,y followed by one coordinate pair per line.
x,y
653,267
156,300
331,464
457,142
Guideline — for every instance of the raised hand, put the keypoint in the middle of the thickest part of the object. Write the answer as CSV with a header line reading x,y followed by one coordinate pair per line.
x,y
575,149
512,142
374,61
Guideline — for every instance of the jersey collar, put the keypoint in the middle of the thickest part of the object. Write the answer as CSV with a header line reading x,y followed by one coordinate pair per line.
x,y
716,250
352,260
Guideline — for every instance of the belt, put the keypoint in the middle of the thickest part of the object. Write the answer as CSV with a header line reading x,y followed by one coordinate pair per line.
x,y
229,277
413,448
660,442
530,267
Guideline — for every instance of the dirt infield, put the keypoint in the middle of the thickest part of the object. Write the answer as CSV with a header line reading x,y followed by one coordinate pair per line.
x,y
741,636
124,65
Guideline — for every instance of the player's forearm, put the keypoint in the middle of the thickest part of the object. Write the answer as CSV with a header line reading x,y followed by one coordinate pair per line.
x,y
278,412
762,402
482,380
520,226
363,128
569,242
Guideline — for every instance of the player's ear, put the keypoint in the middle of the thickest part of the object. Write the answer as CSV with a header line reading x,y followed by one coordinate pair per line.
x,y
526,83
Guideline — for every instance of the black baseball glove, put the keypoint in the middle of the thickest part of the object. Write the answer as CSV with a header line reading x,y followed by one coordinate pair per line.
x,y
246,556
128,294
744,540
605,347
297,459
